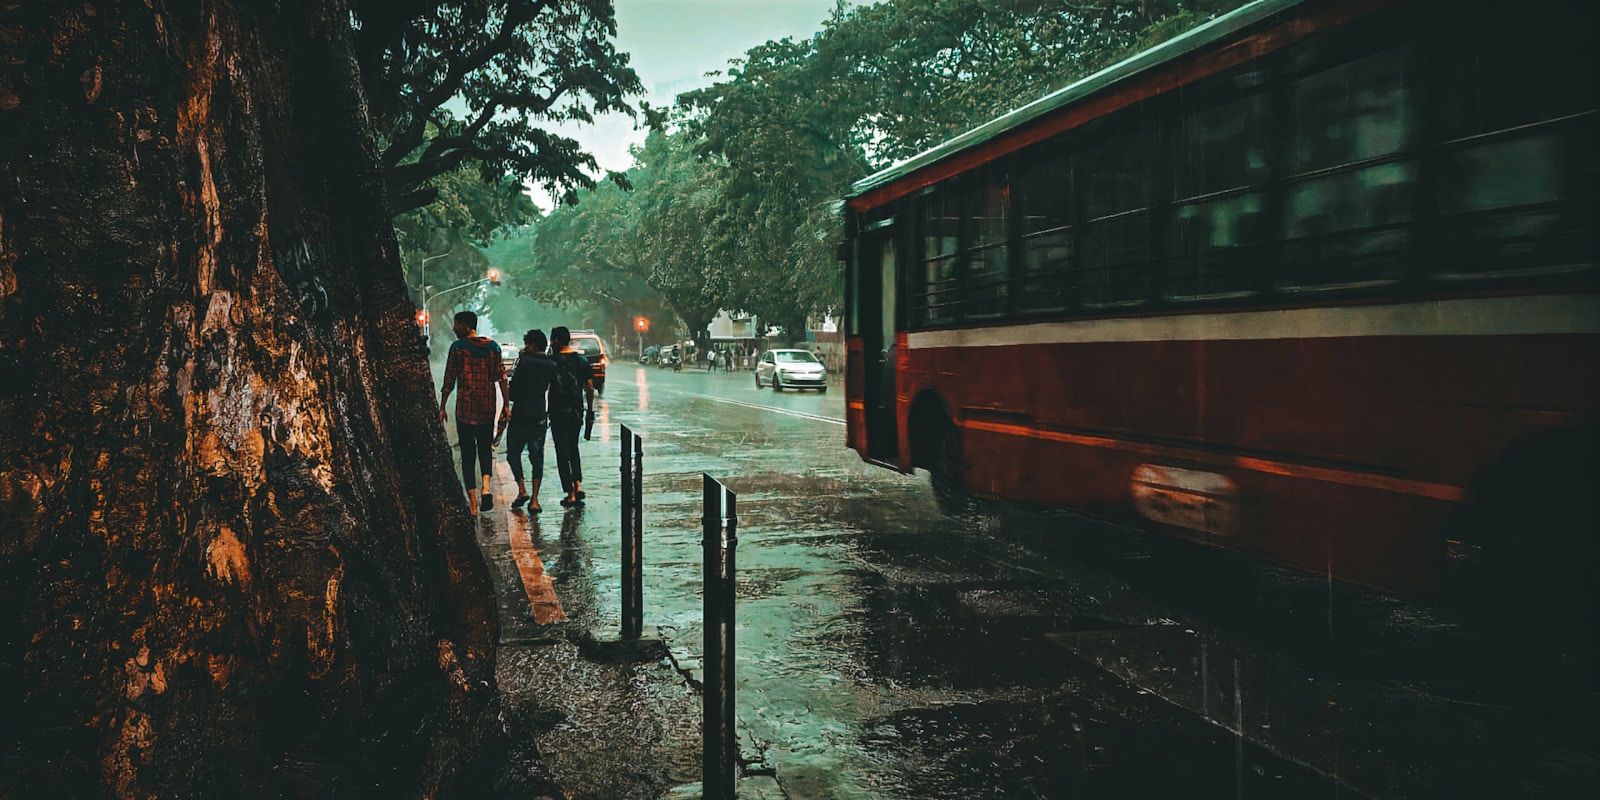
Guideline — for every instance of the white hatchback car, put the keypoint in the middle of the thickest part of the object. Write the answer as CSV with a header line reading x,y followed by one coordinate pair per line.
x,y
791,369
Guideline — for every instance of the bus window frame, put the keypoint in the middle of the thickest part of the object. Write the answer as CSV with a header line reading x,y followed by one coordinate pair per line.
x,y
1054,281
1262,283
1150,120
1253,81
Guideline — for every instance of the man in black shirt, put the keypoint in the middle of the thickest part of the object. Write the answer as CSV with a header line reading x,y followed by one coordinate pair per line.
x,y
529,416
571,396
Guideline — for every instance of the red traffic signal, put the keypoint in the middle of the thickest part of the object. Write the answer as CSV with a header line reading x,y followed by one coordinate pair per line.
x,y
641,324
422,317
494,277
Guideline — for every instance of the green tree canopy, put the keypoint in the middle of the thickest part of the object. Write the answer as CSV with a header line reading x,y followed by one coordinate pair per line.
x,y
736,207
469,83
622,246
467,216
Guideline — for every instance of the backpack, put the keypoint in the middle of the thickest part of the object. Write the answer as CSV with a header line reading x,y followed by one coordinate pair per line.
x,y
566,392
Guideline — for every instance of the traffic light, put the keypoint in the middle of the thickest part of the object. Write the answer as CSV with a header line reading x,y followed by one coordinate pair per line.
x,y
494,277
422,318
641,324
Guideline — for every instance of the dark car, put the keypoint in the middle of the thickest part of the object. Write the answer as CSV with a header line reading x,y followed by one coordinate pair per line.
x,y
588,343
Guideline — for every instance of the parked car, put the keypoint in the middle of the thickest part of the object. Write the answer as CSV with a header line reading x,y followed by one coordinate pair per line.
x,y
650,354
588,343
792,369
508,355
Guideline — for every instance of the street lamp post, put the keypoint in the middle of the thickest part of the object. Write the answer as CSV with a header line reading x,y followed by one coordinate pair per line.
x,y
424,279
493,280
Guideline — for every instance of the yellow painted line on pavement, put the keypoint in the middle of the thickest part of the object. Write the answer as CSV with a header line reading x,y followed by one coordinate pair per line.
x,y
541,590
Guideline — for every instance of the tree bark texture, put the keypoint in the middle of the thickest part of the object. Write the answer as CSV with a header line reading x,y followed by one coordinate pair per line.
x,y
234,557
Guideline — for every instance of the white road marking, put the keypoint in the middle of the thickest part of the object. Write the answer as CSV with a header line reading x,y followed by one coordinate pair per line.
x,y
758,406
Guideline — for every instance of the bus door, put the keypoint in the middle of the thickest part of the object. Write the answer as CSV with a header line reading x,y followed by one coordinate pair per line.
x,y
879,305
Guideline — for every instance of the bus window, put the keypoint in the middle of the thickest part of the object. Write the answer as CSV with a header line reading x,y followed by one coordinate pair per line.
x,y
887,296
1517,173
1113,265
1220,167
1349,204
1500,204
1043,200
984,244
941,219
1484,81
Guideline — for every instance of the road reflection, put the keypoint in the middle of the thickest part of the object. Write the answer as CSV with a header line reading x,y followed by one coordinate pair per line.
x,y
889,652
640,380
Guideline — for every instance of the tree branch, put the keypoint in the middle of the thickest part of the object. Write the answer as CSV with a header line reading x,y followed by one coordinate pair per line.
x,y
516,15
405,177
414,199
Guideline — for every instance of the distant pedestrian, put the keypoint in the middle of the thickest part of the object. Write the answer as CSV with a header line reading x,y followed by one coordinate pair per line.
x,y
474,365
530,417
571,398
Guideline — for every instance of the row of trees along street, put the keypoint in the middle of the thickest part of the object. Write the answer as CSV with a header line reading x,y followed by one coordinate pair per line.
x,y
734,195
232,544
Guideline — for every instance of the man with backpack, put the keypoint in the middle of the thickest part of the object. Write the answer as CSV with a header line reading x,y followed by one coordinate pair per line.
x,y
530,418
571,398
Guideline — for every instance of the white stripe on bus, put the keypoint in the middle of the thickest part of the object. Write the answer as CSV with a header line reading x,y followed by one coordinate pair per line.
x,y
1495,316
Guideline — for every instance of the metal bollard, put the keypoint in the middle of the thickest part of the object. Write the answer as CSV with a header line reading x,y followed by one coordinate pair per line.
x,y
632,534
720,524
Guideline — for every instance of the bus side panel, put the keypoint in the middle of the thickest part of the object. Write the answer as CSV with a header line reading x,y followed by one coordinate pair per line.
x,y
1347,455
1358,534
1428,408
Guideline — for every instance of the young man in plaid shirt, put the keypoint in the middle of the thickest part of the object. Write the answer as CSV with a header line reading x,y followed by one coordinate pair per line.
x,y
474,365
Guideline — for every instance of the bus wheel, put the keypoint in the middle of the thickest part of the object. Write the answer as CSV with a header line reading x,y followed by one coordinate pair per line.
x,y
1529,579
944,468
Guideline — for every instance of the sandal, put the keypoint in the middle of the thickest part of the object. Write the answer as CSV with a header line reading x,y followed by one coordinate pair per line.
x,y
533,508
521,500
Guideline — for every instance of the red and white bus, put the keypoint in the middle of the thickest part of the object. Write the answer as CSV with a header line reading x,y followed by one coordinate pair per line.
x,y
1316,281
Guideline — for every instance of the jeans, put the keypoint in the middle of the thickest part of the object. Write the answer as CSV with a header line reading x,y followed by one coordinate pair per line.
x,y
531,436
477,443
564,429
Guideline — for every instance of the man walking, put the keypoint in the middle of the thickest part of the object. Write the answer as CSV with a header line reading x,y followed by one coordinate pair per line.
x,y
530,416
474,365
571,397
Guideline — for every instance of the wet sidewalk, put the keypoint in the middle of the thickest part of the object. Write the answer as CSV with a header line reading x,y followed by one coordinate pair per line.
x,y
591,716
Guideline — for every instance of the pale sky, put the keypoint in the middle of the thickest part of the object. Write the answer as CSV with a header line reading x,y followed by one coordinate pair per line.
x,y
673,43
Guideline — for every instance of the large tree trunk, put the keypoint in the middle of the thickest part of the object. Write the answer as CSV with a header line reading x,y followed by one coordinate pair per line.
x,y
234,558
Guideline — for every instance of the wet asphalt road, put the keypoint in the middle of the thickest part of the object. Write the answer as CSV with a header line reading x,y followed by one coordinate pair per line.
x,y
886,651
